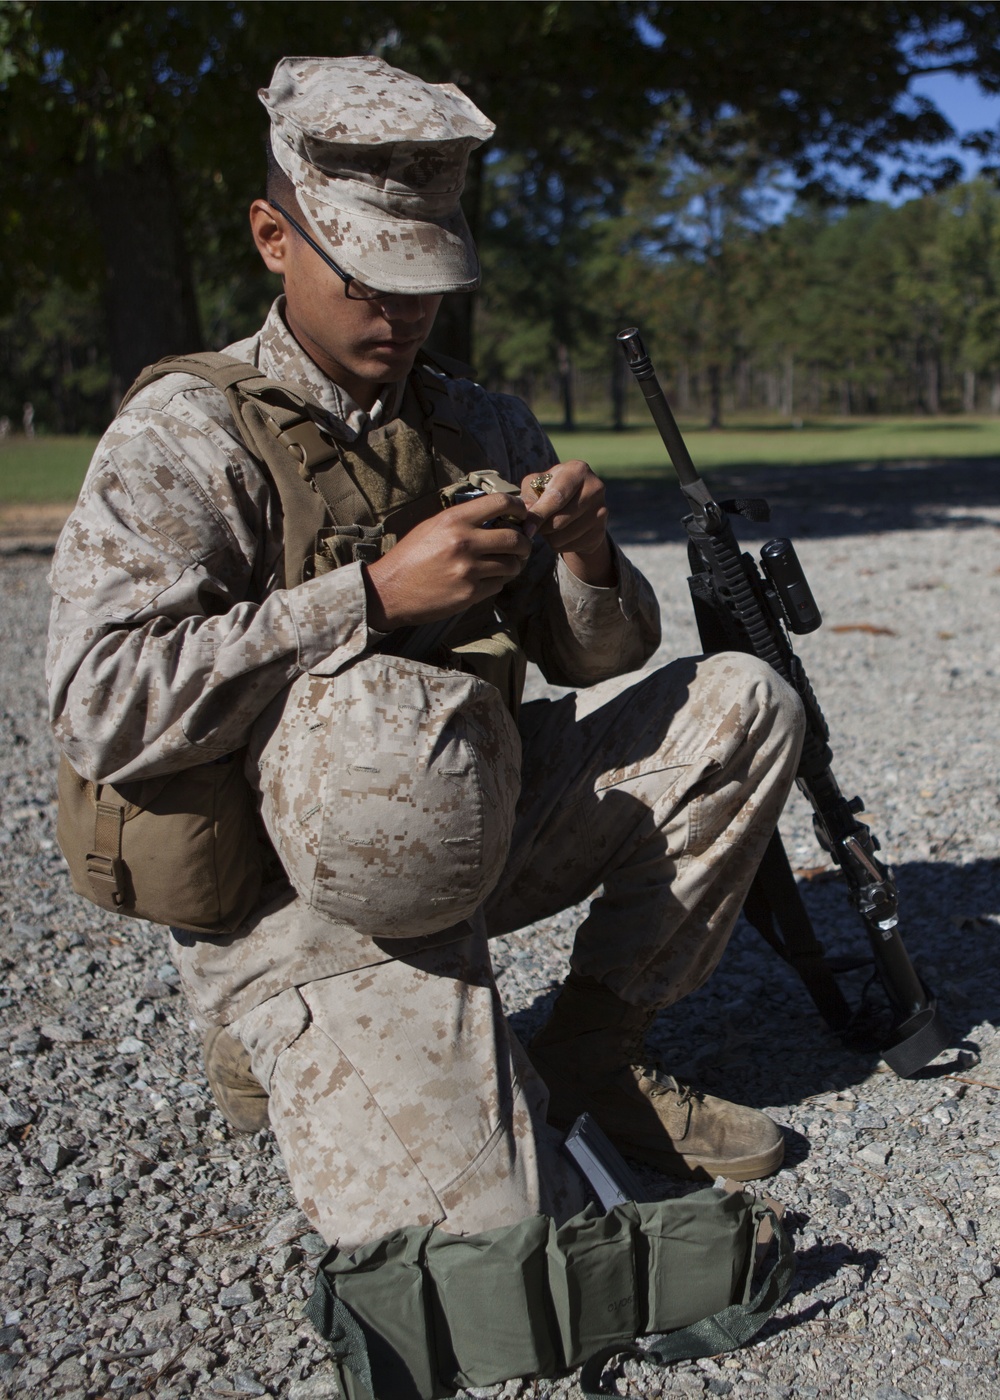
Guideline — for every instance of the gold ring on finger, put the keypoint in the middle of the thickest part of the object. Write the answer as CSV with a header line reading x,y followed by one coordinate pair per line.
x,y
539,483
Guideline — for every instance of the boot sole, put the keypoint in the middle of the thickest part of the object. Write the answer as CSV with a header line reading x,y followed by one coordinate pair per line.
x,y
705,1168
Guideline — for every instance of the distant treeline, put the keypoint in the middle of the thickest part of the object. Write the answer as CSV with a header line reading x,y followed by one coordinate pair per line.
x,y
875,310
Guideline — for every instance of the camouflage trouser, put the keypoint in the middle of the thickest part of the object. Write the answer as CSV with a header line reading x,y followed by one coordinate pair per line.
x,y
398,1095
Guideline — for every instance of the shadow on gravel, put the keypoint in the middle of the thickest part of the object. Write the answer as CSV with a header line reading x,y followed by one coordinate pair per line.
x,y
814,1267
820,501
751,1032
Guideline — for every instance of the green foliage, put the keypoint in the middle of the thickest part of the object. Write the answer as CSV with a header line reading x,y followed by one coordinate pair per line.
x,y
637,144
53,355
968,266
92,92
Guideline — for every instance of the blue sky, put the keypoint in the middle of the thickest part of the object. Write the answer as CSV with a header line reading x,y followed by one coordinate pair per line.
x,y
965,105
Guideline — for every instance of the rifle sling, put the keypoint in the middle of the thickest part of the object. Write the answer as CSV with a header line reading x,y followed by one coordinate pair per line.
x,y
774,897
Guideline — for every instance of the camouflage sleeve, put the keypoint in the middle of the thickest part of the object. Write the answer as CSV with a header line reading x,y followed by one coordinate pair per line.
x,y
576,634
167,638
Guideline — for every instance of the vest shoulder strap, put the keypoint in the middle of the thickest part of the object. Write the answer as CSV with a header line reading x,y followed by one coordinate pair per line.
x,y
278,424
223,371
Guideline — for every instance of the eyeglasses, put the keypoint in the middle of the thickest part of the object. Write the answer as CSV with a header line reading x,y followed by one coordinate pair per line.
x,y
354,289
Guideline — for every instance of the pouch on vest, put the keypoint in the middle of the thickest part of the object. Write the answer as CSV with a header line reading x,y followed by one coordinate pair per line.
x,y
180,849
184,849
422,1313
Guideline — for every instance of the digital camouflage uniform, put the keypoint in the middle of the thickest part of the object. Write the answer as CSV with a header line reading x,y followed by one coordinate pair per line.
x,y
397,1093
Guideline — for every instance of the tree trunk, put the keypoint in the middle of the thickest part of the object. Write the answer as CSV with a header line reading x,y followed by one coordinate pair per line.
x,y
715,396
969,391
566,387
788,387
933,385
683,387
815,391
453,328
743,383
619,373
995,394
149,290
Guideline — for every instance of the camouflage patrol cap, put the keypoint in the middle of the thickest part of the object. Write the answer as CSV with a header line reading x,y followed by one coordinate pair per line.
x,y
388,791
378,159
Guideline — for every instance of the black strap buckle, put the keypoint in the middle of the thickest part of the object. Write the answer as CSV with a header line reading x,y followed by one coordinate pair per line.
x,y
107,875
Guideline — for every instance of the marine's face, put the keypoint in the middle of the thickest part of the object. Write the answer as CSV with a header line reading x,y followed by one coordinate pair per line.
x,y
360,345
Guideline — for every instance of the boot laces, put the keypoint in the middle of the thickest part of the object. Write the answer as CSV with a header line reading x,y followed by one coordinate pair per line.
x,y
665,1083
654,1071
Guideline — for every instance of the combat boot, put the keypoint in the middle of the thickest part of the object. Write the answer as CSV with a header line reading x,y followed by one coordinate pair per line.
x,y
591,1056
241,1099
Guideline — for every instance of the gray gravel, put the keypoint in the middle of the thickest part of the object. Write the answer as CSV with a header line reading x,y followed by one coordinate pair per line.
x,y
152,1252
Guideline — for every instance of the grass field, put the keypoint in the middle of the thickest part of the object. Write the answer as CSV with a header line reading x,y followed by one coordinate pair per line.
x,y
639,452
44,470
50,469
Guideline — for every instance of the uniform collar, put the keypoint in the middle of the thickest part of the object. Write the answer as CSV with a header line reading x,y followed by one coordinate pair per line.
x,y
280,356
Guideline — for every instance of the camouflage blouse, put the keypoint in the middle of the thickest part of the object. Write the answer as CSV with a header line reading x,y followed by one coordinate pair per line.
x,y
169,631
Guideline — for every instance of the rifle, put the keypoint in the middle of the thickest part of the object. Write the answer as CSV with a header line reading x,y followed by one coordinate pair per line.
x,y
739,606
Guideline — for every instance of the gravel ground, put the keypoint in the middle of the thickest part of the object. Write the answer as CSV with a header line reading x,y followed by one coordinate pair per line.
x,y
152,1252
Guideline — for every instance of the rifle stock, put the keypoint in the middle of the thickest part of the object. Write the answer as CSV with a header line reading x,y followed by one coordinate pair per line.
x,y
738,607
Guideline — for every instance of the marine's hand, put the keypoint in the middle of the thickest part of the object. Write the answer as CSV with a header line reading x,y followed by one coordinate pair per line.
x,y
572,516
446,564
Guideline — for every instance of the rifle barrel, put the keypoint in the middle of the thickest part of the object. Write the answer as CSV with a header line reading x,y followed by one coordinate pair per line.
x,y
642,368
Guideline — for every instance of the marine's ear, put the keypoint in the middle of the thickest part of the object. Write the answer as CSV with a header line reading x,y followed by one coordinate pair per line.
x,y
271,234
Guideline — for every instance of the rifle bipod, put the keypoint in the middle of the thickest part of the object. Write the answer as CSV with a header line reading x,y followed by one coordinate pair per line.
x,y
774,907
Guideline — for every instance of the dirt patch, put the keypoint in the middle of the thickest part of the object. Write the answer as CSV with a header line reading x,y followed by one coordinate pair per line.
x,y
31,528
